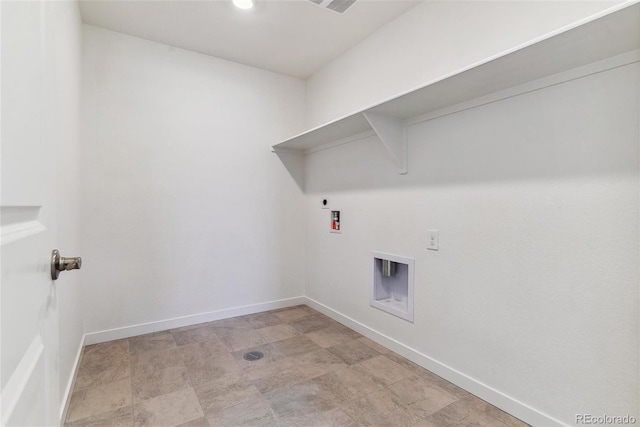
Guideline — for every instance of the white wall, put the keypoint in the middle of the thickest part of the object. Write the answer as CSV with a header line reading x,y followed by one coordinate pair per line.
x,y
185,209
431,40
64,45
534,291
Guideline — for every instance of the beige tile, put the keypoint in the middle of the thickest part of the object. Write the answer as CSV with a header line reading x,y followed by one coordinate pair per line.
x,y
384,400
169,409
451,388
277,332
347,384
345,330
198,422
295,346
226,325
328,337
92,376
225,392
262,320
271,355
413,389
382,370
497,413
337,418
425,423
312,323
307,309
254,412
193,352
463,413
406,417
430,376
149,361
291,314
301,399
111,348
211,368
105,356
421,398
239,339
98,400
405,363
374,345
422,409
317,363
352,352
422,372
195,335
122,417
154,383
151,342
375,409
274,376
333,418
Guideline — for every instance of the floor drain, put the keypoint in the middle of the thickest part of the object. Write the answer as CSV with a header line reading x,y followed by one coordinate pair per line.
x,y
253,355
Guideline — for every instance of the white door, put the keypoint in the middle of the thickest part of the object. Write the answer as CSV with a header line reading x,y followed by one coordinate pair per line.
x,y
29,342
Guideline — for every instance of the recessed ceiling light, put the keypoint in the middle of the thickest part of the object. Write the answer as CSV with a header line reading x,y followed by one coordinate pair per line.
x,y
243,4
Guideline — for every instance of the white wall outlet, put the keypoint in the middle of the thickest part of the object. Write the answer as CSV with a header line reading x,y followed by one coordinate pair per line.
x,y
324,203
432,240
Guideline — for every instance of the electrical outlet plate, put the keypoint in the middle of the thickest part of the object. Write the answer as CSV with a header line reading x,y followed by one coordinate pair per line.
x,y
432,240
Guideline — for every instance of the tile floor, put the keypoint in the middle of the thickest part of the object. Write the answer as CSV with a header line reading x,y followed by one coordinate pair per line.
x,y
315,372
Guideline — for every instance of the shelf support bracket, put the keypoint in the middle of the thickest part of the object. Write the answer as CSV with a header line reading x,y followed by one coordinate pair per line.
x,y
393,135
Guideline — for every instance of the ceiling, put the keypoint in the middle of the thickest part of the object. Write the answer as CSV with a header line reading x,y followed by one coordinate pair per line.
x,y
292,37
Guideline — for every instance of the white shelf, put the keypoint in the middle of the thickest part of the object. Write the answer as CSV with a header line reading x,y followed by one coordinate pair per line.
x,y
600,37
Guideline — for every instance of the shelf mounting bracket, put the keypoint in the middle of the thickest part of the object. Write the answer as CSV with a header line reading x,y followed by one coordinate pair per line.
x,y
393,135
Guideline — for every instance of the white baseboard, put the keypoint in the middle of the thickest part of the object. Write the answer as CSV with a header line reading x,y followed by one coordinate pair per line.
x,y
64,407
497,398
178,322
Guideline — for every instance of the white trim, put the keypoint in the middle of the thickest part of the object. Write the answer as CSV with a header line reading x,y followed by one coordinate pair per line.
x,y
497,398
178,322
66,398
292,151
601,66
19,231
20,378
18,222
